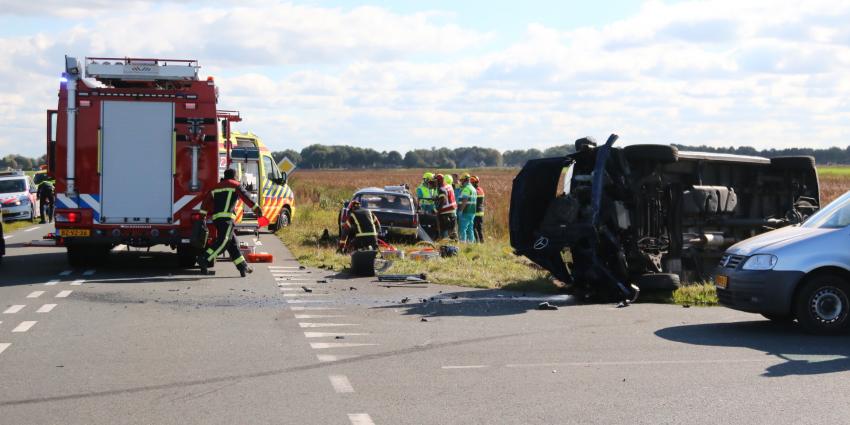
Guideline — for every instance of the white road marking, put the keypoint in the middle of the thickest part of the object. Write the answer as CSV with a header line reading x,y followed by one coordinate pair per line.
x,y
66,273
476,366
14,309
317,316
121,247
329,334
325,325
88,272
63,294
295,308
308,301
283,267
78,282
35,294
8,237
360,419
642,362
291,289
52,282
341,384
281,284
24,326
47,308
302,294
258,243
4,346
325,345
32,228
334,357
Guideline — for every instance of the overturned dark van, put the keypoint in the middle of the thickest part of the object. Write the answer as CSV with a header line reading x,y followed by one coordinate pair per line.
x,y
610,221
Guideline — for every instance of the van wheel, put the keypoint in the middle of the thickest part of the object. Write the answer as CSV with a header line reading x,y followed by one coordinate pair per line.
x,y
659,282
822,305
281,222
660,153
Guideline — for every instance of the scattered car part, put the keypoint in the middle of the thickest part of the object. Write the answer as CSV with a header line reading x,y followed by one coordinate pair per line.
x,y
418,278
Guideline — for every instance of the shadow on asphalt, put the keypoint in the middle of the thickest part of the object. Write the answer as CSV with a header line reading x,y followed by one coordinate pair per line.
x,y
477,303
785,341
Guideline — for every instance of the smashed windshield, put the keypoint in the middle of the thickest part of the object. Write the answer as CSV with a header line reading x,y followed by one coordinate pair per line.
x,y
12,186
833,216
381,201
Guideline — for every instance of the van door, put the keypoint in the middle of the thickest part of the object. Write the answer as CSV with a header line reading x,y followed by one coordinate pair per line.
x,y
272,192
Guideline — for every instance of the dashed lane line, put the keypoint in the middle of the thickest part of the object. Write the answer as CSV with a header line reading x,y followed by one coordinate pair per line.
x,y
312,308
78,282
24,326
360,419
4,346
52,282
326,345
318,316
66,273
302,294
308,301
35,294
32,229
88,272
63,294
330,334
473,366
14,309
47,308
341,384
325,325
324,358
8,237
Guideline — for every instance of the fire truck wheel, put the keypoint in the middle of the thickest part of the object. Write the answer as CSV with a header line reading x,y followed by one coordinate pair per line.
x,y
186,256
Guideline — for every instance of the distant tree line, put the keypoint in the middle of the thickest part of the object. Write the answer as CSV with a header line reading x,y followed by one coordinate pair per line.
x,y
342,156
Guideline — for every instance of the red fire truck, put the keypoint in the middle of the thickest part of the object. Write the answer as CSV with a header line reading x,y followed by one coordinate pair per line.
x,y
134,146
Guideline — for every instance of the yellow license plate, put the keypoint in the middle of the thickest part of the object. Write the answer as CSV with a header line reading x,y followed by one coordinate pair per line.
x,y
71,233
721,281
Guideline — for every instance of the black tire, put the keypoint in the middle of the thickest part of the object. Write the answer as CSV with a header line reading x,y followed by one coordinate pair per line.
x,y
779,318
282,221
793,162
186,256
822,305
659,282
659,153
363,263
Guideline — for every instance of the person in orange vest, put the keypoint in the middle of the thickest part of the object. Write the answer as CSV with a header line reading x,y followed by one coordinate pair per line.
x,y
478,225
221,202
446,209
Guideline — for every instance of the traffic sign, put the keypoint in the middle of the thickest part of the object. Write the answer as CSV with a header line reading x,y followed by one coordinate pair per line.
x,y
286,165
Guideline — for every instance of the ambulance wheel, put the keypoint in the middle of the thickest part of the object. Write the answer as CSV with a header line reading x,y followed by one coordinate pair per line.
x,y
281,222
186,256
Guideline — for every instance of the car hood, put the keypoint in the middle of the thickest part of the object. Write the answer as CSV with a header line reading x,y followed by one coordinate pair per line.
x,y
774,240
4,197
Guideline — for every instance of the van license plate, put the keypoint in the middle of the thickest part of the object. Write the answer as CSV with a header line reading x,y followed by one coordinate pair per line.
x,y
72,233
721,281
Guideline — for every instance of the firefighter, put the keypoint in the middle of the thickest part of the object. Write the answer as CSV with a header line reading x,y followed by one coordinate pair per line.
x,y
466,209
46,195
221,202
446,208
362,228
478,223
425,195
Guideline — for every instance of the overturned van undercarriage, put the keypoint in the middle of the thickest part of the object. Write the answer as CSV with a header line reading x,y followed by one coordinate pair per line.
x,y
607,221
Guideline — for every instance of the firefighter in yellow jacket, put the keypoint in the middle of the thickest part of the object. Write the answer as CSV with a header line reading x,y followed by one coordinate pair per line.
x,y
221,203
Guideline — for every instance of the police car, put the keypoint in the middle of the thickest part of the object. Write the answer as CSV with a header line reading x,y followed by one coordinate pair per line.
x,y
17,196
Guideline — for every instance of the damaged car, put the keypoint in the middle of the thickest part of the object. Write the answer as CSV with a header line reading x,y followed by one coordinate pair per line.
x,y
610,221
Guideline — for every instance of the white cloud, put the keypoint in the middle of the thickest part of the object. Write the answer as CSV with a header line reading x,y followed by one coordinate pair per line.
x,y
762,73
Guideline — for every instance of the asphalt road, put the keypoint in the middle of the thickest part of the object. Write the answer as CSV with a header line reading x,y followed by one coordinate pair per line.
x,y
139,341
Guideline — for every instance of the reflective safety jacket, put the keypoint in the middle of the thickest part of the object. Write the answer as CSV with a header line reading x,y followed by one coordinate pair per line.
x,y
479,202
425,195
469,193
446,203
221,199
363,223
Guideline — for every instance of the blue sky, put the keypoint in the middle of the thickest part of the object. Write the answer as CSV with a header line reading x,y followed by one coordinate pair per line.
x,y
501,74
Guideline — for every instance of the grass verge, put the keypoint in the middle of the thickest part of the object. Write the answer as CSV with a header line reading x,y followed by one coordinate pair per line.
x,y
490,265
701,294
12,226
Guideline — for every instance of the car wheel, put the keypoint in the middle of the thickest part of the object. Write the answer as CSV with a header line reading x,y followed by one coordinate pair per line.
x,y
822,305
779,318
659,153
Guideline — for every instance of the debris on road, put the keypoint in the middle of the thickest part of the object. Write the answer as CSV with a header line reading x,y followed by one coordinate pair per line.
x,y
546,306
423,320
351,288
418,278
306,289
405,300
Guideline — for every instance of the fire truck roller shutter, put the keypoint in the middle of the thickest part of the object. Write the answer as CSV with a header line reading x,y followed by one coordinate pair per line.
x,y
137,177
